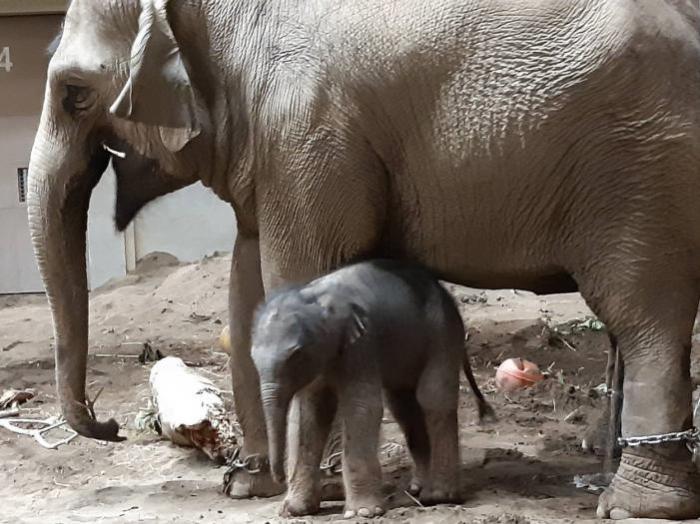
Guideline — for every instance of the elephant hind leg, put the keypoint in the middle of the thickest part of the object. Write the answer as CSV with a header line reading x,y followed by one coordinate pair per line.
x,y
438,396
615,396
601,436
409,415
652,319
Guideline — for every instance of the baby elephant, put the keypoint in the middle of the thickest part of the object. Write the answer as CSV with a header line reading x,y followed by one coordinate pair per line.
x,y
339,341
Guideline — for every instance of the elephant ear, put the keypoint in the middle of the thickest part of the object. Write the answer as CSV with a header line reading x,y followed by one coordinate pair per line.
x,y
325,302
159,91
358,325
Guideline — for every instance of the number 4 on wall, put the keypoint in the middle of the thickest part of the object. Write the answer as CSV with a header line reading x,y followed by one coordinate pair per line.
x,y
5,62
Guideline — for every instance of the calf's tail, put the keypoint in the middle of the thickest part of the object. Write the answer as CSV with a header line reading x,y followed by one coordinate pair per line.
x,y
486,412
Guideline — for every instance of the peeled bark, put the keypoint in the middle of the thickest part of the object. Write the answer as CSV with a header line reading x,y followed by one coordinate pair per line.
x,y
275,407
62,173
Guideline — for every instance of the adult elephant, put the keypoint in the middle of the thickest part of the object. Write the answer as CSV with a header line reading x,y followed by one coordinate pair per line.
x,y
548,145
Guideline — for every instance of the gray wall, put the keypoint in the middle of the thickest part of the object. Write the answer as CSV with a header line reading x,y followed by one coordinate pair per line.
x,y
189,224
18,271
21,96
105,245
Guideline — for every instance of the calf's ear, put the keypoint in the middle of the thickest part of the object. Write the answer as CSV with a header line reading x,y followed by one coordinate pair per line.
x,y
158,91
325,301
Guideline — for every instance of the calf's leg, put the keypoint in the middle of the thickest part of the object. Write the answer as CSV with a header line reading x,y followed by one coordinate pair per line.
x,y
410,417
360,406
316,407
438,396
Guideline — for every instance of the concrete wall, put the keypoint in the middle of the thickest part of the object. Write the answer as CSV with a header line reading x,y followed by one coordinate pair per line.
x,y
32,7
18,271
105,245
21,96
189,224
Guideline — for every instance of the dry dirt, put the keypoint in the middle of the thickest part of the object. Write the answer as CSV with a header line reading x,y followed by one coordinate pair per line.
x,y
518,470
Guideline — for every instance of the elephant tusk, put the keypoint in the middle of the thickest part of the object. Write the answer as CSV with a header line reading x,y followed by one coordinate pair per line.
x,y
114,152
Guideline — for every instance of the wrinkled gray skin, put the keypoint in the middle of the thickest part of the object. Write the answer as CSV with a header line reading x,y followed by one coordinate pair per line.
x,y
548,145
349,335
601,437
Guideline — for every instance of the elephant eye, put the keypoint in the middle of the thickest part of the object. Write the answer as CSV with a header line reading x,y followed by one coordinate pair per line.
x,y
78,98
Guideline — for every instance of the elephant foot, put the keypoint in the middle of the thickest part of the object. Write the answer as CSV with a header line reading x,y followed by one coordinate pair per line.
x,y
438,495
415,486
650,485
365,507
239,483
296,505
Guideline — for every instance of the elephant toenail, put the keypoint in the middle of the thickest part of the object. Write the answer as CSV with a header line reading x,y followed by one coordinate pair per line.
x,y
620,514
601,512
364,512
349,514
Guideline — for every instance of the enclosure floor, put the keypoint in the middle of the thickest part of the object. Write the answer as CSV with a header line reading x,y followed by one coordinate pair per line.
x,y
518,470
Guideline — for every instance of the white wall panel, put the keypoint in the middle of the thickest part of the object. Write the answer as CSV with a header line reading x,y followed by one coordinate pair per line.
x,y
189,224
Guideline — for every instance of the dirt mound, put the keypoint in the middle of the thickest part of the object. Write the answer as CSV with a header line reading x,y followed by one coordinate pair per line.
x,y
155,261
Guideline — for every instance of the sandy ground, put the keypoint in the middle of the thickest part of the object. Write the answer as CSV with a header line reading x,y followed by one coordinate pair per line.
x,y
518,470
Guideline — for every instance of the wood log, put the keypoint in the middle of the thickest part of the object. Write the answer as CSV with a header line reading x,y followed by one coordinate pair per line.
x,y
191,411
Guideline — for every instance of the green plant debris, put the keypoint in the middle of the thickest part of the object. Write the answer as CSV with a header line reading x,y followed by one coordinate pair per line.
x,y
578,326
146,420
560,377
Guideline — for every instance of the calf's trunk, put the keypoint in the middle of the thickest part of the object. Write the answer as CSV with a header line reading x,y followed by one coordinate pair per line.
x,y
275,407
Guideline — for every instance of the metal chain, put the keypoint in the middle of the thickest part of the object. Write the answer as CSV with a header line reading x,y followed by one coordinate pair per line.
x,y
256,463
252,463
333,464
690,436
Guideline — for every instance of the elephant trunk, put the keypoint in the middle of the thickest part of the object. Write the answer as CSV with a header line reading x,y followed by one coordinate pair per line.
x,y
275,407
61,180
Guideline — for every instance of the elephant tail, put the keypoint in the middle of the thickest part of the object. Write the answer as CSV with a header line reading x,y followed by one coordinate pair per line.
x,y
486,412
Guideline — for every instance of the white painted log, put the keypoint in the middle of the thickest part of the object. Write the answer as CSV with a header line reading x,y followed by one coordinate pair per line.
x,y
190,409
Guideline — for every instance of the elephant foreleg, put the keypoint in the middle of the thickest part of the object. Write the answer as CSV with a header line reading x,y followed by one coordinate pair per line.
x,y
361,409
310,419
246,291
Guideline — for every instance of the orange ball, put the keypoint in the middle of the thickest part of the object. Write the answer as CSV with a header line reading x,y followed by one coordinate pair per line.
x,y
517,373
